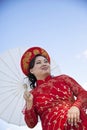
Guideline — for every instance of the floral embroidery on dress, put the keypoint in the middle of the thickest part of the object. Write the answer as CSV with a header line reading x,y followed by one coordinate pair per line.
x,y
53,98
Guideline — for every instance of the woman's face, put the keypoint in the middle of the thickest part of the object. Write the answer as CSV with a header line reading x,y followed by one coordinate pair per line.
x,y
41,68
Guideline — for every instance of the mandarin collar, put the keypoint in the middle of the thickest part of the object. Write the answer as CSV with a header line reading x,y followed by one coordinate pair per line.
x,y
39,82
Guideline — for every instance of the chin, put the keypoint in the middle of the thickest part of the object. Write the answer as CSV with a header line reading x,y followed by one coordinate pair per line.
x,y
47,74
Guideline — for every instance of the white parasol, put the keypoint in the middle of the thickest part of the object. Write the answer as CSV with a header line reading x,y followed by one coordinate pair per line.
x,y
12,82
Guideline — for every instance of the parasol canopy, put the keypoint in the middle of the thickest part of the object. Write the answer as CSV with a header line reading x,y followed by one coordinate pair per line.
x,y
12,82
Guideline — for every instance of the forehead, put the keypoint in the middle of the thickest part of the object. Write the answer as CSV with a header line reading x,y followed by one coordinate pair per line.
x,y
40,58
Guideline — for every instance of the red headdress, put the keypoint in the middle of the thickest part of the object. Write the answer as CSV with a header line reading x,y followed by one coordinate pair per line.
x,y
29,55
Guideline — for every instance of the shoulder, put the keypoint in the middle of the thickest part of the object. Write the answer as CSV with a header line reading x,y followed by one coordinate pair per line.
x,y
63,76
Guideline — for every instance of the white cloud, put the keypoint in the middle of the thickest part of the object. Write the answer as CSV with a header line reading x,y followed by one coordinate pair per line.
x,y
82,55
85,54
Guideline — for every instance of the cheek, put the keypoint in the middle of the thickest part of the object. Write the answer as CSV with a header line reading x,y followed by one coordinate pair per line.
x,y
49,68
36,70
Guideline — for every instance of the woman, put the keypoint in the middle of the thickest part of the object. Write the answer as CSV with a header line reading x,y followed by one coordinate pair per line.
x,y
59,101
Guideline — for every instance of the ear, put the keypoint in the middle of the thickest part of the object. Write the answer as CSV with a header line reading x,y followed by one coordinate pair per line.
x,y
31,70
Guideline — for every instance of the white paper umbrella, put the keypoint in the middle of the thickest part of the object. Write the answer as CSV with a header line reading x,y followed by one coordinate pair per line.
x,y
12,82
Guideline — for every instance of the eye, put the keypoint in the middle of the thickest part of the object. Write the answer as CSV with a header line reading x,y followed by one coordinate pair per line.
x,y
45,61
38,62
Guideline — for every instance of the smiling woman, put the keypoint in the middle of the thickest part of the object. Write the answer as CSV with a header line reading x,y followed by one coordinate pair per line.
x,y
59,101
59,26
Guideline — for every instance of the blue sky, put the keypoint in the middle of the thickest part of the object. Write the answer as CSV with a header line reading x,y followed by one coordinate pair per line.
x,y
58,26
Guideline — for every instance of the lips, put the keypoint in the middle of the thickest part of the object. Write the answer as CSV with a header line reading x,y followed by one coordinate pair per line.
x,y
44,68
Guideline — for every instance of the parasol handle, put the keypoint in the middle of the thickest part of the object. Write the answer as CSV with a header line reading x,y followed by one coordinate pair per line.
x,y
25,87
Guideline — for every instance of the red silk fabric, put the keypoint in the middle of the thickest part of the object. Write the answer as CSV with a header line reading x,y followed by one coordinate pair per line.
x,y
52,99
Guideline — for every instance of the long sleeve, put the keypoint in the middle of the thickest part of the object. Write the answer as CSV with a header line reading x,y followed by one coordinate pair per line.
x,y
78,91
31,117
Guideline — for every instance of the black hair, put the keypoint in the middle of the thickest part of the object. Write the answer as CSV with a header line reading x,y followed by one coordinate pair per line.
x,y
31,76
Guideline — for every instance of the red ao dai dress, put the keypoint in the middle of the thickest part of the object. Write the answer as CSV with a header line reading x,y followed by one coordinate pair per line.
x,y
52,99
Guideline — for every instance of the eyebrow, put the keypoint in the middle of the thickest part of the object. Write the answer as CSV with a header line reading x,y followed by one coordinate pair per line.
x,y
40,59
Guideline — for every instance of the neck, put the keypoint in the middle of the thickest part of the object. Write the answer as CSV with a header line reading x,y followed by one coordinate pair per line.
x,y
43,77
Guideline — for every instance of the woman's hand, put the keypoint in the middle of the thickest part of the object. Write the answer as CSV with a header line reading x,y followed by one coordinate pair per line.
x,y
29,99
73,115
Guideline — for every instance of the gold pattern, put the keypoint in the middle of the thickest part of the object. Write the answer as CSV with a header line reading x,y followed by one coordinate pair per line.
x,y
35,52
26,60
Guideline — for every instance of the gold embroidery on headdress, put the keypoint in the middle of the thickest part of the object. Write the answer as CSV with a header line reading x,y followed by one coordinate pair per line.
x,y
44,53
26,59
35,52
